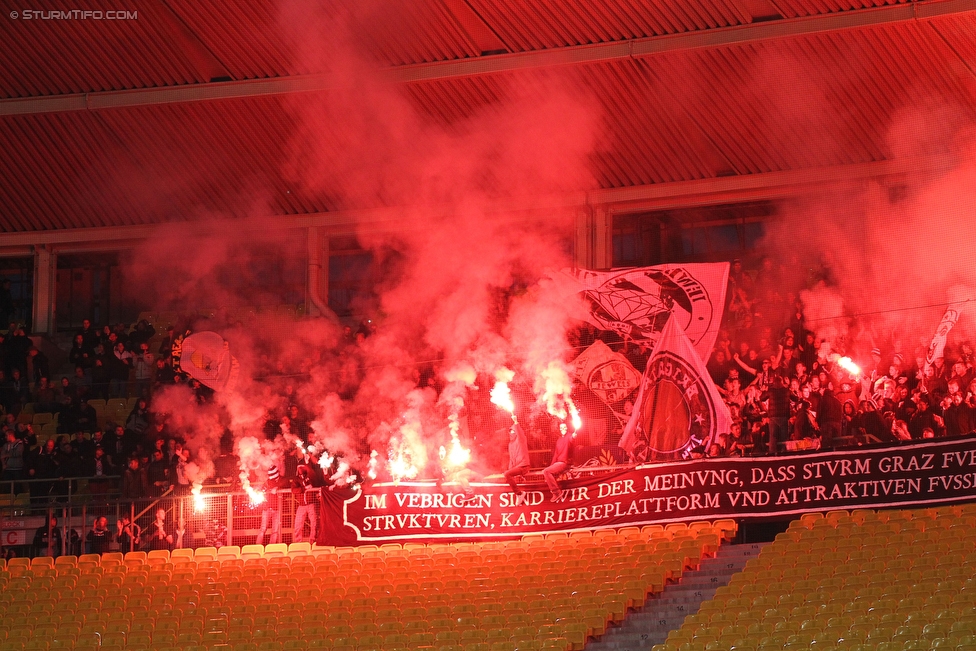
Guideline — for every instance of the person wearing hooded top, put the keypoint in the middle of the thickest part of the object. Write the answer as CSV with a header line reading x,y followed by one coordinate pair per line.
x,y
924,418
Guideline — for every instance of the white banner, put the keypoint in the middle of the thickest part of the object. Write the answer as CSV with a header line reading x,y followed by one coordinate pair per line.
x,y
636,303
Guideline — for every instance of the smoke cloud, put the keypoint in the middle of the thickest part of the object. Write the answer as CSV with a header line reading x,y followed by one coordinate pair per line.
x,y
462,290
460,294
895,253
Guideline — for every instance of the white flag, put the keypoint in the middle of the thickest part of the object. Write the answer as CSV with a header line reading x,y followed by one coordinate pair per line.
x,y
678,407
636,303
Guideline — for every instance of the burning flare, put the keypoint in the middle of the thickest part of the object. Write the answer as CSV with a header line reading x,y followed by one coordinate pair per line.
x,y
325,461
199,503
249,453
401,465
459,456
848,365
500,393
556,395
342,476
254,496
574,415
373,469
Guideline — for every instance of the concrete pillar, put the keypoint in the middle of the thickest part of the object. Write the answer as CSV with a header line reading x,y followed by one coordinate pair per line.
x,y
316,299
583,239
602,225
45,289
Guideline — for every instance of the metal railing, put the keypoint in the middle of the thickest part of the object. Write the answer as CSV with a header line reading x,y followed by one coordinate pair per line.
x,y
226,518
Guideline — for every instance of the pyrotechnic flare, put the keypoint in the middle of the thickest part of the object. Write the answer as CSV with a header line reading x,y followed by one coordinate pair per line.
x,y
501,395
342,476
574,415
249,452
400,466
199,503
458,457
845,363
848,365
556,394
325,461
254,496
373,469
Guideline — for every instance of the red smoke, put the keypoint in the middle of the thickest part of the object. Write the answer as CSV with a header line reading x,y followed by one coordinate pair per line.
x,y
465,287
896,250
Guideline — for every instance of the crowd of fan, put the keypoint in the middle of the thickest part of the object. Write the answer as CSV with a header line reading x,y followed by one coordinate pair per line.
x,y
137,457
770,369
108,363
782,389
785,390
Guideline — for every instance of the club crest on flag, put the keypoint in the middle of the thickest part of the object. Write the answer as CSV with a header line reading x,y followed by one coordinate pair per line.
x,y
607,374
675,413
205,356
636,303
678,407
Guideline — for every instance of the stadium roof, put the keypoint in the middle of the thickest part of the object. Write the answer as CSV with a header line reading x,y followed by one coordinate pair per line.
x,y
192,94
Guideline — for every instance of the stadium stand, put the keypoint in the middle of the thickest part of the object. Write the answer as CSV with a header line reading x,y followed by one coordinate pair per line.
x,y
880,580
542,592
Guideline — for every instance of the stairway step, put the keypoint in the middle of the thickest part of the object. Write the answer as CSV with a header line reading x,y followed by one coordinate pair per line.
x,y
667,611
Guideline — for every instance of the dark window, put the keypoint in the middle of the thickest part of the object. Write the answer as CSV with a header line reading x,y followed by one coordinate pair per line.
x,y
352,278
696,234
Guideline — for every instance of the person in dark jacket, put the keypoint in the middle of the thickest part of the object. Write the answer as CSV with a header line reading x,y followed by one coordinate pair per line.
x,y
43,465
128,534
99,538
135,485
830,418
101,374
924,418
47,539
81,352
37,365
778,413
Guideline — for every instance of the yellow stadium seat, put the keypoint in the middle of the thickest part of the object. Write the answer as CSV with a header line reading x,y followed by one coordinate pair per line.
x,y
185,553
18,562
205,553
228,552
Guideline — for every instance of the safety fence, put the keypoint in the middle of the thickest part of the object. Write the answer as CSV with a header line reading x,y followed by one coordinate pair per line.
x,y
219,517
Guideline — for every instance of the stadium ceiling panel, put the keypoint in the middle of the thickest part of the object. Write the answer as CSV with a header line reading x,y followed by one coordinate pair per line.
x,y
209,92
